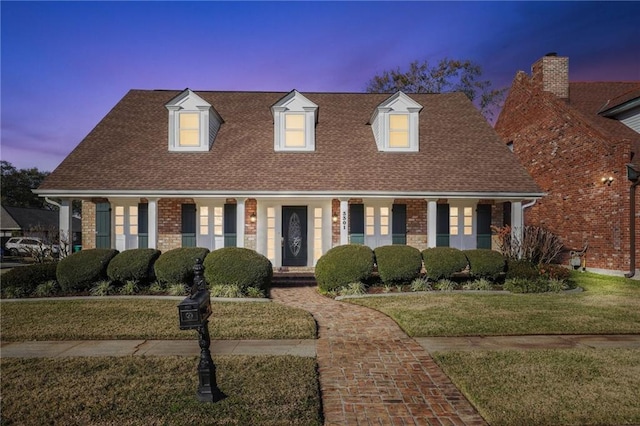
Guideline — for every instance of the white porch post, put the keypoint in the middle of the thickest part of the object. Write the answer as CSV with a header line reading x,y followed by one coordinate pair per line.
x,y
240,222
344,222
65,226
432,223
152,232
517,221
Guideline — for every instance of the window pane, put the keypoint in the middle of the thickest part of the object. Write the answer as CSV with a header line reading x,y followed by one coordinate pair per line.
x,y
398,139
294,121
189,137
294,138
189,120
399,122
189,129
453,230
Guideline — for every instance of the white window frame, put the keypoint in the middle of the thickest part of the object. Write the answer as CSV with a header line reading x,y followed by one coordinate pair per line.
x,y
400,104
209,121
294,104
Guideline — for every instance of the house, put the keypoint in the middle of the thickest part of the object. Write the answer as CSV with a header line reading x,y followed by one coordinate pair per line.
x,y
25,221
579,141
291,175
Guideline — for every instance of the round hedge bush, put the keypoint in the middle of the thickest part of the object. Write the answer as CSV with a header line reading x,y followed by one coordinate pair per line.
x,y
343,265
79,271
442,262
240,266
133,265
398,264
176,266
485,263
522,269
22,281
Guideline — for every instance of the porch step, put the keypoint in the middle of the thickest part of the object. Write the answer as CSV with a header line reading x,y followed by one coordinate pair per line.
x,y
293,279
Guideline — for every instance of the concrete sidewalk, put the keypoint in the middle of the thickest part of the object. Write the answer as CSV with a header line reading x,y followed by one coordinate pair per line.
x,y
88,348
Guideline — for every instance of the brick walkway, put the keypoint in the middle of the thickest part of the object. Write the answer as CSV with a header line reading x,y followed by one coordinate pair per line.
x,y
371,372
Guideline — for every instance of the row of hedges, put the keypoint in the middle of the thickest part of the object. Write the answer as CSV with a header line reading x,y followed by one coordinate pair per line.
x,y
397,264
78,272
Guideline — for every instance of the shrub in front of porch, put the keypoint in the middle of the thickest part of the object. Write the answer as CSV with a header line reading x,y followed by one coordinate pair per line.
x,y
176,266
398,264
133,265
79,271
442,262
23,281
237,266
485,263
343,265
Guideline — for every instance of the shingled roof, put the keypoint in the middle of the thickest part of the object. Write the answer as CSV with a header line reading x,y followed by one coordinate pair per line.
x,y
128,151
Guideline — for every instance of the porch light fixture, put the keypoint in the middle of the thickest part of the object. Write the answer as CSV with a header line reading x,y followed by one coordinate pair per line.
x,y
607,180
252,218
334,218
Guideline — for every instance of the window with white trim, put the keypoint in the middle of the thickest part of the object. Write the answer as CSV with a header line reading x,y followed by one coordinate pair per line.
x,y
395,124
294,123
193,123
317,234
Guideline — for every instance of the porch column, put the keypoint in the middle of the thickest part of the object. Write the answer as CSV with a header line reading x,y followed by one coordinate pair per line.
x,y
344,222
152,232
240,222
517,221
432,223
65,226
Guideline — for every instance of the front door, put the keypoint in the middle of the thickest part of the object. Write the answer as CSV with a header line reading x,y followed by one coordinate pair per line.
x,y
294,236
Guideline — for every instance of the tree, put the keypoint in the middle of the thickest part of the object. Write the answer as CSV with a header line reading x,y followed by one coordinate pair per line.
x,y
449,75
17,185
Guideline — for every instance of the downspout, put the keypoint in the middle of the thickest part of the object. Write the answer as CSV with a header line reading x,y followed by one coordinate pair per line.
x,y
50,201
632,229
526,206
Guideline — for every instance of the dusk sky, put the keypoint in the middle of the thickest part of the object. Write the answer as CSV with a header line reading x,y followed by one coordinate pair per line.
x,y
66,64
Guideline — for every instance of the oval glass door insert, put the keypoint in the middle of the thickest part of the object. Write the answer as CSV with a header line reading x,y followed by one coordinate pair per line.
x,y
295,234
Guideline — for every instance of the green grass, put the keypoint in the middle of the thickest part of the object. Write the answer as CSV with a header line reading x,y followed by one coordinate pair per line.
x,y
549,387
147,319
266,390
608,305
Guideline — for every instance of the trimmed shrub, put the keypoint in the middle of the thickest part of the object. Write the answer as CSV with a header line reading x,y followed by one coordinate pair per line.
x,y
443,262
176,266
522,269
133,265
485,263
555,272
343,265
238,266
22,281
523,285
79,271
398,264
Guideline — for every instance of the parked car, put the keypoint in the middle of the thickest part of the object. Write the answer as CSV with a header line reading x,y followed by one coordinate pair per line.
x,y
20,246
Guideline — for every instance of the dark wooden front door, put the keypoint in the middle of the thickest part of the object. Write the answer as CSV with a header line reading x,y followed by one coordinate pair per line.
x,y
294,236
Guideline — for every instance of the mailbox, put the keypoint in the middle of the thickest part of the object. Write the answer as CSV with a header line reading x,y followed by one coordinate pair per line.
x,y
194,310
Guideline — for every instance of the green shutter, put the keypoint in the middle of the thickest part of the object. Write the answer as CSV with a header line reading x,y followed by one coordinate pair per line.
x,y
356,223
103,225
484,226
399,224
442,225
143,225
188,225
230,225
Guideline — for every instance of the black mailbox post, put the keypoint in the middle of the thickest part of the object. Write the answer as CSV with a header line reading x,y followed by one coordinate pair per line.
x,y
193,313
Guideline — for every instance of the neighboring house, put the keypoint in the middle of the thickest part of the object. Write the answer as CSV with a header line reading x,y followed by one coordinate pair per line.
x,y
23,221
291,175
576,140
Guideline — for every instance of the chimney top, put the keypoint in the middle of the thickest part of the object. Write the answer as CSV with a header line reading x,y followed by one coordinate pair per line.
x,y
551,74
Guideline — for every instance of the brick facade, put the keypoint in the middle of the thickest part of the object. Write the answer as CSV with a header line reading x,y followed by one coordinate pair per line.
x,y
568,158
88,224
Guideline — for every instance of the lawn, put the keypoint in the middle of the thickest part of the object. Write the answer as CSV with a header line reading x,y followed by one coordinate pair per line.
x,y
273,390
147,319
549,387
607,305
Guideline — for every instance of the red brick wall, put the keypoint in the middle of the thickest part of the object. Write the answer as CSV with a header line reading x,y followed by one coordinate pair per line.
x,y
568,158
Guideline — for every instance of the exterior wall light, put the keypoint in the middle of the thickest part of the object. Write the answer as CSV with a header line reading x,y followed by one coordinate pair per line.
x,y
334,218
252,218
607,180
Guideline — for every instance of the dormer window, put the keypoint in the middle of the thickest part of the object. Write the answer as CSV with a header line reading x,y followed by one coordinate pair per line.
x,y
395,124
294,123
193,123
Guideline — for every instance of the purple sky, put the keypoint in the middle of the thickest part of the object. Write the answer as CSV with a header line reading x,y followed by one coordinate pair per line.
x,y
66,64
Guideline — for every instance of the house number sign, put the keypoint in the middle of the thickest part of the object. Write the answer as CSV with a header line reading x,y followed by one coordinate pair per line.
x,y
344,220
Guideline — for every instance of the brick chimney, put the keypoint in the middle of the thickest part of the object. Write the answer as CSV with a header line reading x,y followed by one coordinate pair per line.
x,y
551,73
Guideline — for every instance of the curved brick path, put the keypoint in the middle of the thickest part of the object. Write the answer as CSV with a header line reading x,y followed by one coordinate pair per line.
x,y
371,372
